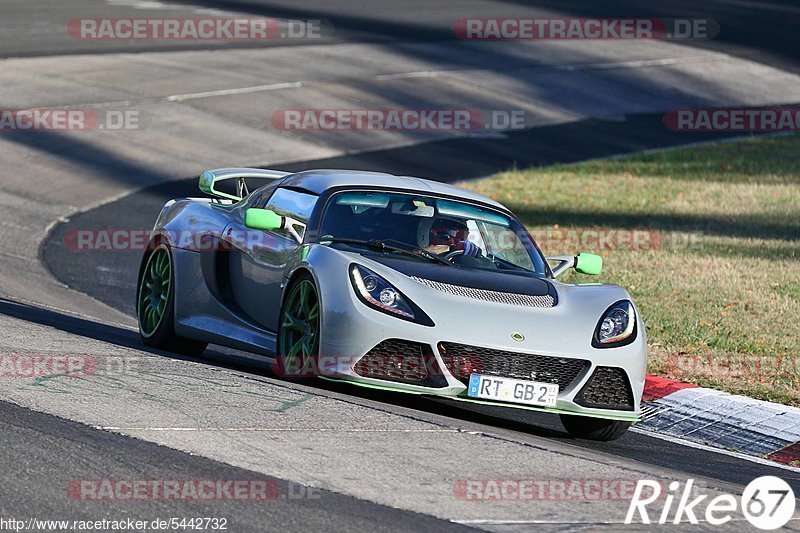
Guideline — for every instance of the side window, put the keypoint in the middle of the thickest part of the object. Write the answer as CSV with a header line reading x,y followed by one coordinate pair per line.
x,y
295,205
475,235
259,197
505,244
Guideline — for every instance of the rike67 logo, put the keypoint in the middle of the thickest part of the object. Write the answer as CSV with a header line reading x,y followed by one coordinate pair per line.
x,y
767,502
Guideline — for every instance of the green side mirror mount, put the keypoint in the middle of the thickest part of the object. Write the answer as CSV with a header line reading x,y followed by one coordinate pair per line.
x,y
587,263
263,219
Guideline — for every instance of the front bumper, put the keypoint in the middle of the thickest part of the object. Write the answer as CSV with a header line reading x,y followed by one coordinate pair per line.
x,y
395,373
351,330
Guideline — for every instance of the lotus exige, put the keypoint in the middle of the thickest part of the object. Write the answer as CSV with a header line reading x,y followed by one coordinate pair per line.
x,y
395,283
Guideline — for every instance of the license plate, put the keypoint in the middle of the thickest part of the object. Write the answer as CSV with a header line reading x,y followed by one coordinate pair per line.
x,y
512,390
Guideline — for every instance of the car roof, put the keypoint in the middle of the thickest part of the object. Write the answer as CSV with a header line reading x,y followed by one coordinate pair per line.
x,y
319,181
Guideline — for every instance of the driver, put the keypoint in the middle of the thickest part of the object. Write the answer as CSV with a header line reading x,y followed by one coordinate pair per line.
x,y
451,236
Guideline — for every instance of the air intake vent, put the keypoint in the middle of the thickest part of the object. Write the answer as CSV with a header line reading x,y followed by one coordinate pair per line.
x,y
608,388
402,361
462,360
509,298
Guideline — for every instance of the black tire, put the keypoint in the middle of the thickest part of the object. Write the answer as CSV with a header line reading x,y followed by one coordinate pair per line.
x,y
163,337
284,367
600,429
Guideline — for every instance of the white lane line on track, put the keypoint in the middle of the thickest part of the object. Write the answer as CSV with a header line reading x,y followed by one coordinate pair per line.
x,y
413,74
704,447
435,73
641,63
316,430
240,90
501,522
18,257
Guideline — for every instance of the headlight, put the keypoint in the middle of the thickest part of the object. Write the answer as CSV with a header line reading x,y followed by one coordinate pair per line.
x,y
379,293
617,327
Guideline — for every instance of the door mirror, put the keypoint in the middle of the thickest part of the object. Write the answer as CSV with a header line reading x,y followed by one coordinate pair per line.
x,y
587,263
263,219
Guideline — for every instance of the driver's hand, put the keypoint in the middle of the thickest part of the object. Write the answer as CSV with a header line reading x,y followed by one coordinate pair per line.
x,y
469,248
438,248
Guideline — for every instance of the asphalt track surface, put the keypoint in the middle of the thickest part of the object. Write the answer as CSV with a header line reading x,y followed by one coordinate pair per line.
x,y
764,32
41,453
56,452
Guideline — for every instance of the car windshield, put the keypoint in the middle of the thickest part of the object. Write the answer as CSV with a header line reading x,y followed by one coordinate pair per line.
x,y
468,235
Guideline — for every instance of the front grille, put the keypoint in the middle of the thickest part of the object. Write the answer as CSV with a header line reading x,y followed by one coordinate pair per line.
x,y
509,298
462,360
401,361
608,388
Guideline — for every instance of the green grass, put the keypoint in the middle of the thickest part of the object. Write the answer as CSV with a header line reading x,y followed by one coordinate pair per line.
x,y
717,278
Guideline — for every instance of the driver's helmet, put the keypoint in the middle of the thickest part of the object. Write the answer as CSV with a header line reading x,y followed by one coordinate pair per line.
x,y
448,232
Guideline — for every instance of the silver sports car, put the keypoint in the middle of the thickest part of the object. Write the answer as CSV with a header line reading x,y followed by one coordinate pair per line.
x,y
392,282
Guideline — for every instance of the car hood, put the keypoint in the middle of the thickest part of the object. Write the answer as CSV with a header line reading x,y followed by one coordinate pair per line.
x,y
467,277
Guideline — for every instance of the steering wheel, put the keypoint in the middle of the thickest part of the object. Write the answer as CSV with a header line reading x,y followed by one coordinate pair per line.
x,y
449,256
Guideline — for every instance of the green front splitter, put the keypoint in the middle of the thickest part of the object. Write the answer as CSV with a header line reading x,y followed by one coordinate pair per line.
x,y
554,410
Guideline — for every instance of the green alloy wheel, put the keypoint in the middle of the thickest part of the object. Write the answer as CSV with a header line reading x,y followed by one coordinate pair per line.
x,y
154,291
155,305
298,338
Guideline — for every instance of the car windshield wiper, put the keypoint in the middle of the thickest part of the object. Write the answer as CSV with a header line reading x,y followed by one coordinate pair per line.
x,y
385,246
410,249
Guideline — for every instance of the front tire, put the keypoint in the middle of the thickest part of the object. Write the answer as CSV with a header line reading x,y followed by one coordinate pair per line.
x,y
155,305
299,330
600,429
